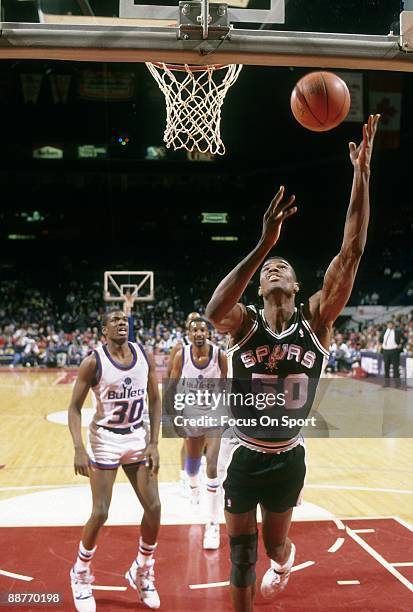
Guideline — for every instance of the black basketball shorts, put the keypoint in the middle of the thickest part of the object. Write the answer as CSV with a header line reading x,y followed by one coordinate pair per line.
x,y
273,480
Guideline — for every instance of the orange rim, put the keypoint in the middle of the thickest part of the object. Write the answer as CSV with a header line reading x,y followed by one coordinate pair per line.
x,y
188,68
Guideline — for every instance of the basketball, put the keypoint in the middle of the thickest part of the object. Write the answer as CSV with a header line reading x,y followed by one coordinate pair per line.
x,y
320,101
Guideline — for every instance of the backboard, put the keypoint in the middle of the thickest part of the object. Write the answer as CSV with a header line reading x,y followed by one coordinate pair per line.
x,y
142,12
239,11
352,34
140,285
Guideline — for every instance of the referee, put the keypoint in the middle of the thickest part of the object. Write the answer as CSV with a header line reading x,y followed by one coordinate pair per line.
x,y
392,341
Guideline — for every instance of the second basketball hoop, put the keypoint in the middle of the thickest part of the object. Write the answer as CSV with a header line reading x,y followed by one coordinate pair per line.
x,y
194,96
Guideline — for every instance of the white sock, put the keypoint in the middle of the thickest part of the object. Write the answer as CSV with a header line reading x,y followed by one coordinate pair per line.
x,y
145,552
213,500
183,476
287,565
193,481
84,557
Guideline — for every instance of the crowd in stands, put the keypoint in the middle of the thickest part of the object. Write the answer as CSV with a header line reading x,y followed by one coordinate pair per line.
x,y
37,330
345,348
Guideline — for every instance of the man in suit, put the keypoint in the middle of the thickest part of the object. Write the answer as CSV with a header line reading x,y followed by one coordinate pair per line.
x,y
392,341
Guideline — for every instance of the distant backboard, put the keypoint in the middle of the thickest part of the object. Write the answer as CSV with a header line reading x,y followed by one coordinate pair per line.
x,y
139,285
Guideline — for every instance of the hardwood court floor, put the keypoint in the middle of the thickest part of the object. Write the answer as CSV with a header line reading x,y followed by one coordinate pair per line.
x,y
350,477
354,565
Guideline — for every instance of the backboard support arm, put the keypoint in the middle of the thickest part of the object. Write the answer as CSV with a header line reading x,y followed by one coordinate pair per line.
x,y
205,16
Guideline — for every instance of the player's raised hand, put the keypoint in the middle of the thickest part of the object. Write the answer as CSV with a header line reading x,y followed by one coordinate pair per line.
x,y
81,463
361,155
278,211
128,303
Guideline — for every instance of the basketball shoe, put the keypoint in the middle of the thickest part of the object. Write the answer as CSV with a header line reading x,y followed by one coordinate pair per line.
x,y
184,485
142,579
274,581
81,583
195,495
211,536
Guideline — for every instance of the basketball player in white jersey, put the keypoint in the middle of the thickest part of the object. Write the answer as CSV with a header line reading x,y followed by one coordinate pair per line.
x,y
121,376
178,346
279,346
196,363
184,342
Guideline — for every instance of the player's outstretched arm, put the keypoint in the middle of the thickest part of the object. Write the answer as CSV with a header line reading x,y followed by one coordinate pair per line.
x,y
154,405
326,305
83,383
223,310
128,303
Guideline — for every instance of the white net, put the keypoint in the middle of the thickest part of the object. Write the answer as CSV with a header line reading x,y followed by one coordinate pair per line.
x,y
194,97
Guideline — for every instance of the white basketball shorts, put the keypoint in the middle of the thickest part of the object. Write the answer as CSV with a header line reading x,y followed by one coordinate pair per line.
x,y
108,450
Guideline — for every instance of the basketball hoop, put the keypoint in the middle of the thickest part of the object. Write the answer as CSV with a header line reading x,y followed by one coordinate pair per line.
x,y
194,96
137,284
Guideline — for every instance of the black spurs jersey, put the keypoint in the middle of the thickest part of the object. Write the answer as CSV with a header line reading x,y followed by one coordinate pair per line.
x,y
274,378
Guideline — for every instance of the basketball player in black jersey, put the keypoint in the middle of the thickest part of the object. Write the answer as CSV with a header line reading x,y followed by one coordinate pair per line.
x,y
280,347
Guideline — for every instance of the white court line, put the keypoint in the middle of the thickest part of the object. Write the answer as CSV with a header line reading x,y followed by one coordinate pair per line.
x,y
347,582
357,488
108,588
403,522
209,585
17,576
404,564
337,544
355,468
33,387
339,523
23,488
366,518
364,530
61,376
296,568
338,488
348,518
380,559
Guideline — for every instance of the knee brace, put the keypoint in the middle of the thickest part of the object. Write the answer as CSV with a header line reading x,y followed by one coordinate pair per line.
x,y
243,559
